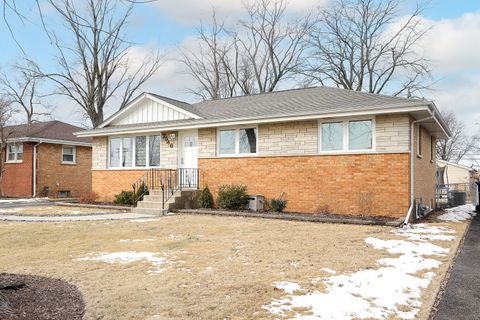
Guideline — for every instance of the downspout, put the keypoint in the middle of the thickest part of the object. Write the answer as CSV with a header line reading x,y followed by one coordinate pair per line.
x,y
35,168
412,157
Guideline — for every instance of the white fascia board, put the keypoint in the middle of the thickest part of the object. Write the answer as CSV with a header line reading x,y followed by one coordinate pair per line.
x,y
461,166
52,141
245,121
138,100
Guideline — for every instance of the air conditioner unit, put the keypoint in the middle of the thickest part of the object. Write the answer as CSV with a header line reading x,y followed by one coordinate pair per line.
x,y
256,202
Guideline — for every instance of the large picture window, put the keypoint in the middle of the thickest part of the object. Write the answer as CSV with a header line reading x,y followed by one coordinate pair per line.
x,y
134,151
237,141
14,152
347,135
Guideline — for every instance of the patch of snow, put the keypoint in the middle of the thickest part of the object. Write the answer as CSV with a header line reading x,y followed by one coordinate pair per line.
x,y
159,263
288,287
327,270
459,214
392,290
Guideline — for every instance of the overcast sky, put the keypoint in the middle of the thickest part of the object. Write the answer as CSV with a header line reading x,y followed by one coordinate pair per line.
x,y
453,45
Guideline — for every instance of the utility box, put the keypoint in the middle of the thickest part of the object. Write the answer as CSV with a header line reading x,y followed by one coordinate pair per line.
x,y
256,203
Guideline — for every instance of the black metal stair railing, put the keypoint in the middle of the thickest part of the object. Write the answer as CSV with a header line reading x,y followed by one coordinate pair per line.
x,y
168,181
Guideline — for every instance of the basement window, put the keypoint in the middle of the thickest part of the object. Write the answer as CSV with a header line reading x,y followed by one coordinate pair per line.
x,y
14,152
69,154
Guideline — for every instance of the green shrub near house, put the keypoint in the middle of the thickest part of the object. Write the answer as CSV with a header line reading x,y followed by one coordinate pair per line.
x,y
277,204
124,198
205,199
232,197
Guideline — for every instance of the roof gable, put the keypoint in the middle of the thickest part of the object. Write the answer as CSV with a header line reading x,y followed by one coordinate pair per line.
x,y
148,108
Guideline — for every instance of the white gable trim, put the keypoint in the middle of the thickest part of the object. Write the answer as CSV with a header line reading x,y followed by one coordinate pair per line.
x,y
139,100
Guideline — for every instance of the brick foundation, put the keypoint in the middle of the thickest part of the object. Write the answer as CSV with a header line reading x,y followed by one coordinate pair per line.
x,y
107,183
369,184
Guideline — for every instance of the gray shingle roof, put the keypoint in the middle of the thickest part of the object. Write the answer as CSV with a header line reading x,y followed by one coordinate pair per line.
x,y
305,101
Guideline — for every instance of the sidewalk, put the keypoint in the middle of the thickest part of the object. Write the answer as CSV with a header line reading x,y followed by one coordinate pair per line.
x,y
113,216
462,294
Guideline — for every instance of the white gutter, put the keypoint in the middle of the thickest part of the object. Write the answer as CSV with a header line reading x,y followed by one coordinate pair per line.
x,y
35,168
412,156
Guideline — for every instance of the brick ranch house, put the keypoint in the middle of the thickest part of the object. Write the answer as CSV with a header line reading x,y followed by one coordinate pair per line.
x,y
347,150
46,159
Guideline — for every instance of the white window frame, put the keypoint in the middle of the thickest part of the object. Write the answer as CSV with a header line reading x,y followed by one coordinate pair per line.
x,y
419,141
147,152
16,152
237,141
74,150
345,122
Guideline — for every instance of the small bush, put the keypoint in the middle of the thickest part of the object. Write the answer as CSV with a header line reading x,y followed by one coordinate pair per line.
x,y
124,198
88,197
205,199
278,204
232,197
323,209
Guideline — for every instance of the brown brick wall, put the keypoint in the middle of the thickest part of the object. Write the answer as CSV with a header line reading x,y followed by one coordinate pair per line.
x,y
17,180
424,170
60,177
348,184
107,183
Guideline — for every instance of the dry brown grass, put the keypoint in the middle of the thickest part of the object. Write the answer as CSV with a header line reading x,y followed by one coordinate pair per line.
x,y
54,210
223,267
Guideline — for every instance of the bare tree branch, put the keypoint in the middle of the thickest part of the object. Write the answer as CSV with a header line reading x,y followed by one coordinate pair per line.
x,y
94,65
367,45
460,145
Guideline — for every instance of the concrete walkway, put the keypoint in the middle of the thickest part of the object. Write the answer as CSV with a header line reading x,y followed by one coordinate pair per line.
x,y
93,217
462,294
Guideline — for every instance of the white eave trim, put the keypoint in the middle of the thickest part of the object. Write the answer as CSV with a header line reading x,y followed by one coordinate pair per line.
x,y
461,166
234,122
52,141
140,98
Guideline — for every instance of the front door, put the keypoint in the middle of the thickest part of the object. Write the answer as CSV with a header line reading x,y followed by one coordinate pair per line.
x,y
188,159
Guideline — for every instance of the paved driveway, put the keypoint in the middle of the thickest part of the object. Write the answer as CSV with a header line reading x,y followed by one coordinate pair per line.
x,y
461,299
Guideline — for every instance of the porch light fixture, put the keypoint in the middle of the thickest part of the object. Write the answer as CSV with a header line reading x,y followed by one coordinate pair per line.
x,y
169,138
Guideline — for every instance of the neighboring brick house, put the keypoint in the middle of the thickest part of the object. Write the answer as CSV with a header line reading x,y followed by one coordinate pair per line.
x,y
63,161
350,151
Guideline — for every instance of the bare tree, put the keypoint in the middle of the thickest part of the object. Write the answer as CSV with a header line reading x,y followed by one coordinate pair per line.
x,y
368,45
255,56
94,59
24,91
460,145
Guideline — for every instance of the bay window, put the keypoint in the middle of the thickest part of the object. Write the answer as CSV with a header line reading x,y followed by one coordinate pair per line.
x,y
134,151
237,141
14,152
346,135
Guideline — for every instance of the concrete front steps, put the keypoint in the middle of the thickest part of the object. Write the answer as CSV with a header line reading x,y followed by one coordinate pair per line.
x,y
152,203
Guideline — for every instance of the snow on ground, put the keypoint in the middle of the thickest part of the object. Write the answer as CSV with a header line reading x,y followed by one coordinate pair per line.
x,y
458,214
392,290
288,287
160,264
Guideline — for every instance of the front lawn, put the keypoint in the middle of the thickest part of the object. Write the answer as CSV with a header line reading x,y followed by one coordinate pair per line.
x,y
55,211
209,267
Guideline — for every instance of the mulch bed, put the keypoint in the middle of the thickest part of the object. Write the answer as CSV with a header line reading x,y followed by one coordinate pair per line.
x,y
328,218
41,298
